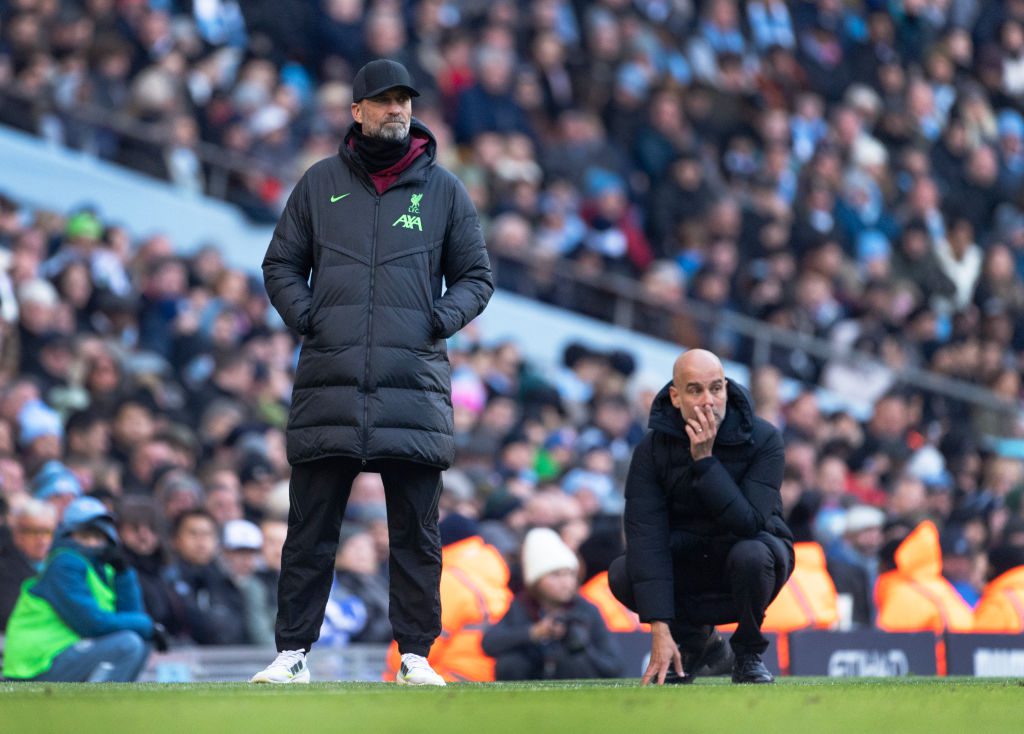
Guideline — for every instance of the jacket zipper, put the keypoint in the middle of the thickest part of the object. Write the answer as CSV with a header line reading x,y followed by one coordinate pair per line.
x,y
369,332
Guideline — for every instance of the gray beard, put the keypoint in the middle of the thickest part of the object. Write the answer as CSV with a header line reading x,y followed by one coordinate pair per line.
x,y
391,132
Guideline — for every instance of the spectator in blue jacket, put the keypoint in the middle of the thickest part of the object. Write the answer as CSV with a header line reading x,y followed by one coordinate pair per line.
x,y
82,618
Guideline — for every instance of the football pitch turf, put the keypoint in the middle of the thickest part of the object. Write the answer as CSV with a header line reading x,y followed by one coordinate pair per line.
x,y
793,706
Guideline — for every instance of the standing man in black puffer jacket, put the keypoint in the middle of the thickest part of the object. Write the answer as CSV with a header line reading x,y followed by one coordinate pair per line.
x,y
356,266
705,540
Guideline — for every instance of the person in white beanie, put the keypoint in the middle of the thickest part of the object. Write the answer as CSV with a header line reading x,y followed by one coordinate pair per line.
x,y
550,631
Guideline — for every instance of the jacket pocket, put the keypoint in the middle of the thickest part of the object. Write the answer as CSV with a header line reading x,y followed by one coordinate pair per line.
x,y
340,249
408,251
415,272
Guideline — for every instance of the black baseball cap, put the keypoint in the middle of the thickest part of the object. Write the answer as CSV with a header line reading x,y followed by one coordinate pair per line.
x,y
379,76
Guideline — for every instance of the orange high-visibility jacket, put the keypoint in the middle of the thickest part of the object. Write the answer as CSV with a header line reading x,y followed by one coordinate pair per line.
x,y
1001,608
474,595
809,599
914,597
617,617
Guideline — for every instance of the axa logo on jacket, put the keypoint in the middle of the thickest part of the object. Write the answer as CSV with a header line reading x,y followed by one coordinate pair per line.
x,y
410,221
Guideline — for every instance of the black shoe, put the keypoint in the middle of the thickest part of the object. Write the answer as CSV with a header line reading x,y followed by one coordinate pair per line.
x,y
748,668
672,678
715,658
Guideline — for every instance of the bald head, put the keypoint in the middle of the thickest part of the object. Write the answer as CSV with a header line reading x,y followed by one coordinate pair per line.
x,y
698,384
695,362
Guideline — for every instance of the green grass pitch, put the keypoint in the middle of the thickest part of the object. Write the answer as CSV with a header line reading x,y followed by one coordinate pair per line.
x,y
792,706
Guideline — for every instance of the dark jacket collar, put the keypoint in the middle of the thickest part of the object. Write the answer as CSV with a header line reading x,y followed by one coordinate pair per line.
x,y
737,428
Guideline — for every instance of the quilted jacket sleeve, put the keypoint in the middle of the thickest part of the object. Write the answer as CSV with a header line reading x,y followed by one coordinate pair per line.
x,y
746,508
289,261
467,269
648,554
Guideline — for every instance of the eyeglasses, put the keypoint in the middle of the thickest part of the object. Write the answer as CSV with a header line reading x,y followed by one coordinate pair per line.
x,y
21,530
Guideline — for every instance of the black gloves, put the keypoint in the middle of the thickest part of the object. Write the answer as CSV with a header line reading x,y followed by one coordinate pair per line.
x,y
114,557
161,640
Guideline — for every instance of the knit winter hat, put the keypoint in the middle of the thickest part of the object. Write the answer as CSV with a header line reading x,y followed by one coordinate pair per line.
x,y
37,419
55,479
545,552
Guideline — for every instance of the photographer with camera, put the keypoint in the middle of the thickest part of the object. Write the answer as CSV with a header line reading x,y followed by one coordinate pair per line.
x,y
550,631
82,617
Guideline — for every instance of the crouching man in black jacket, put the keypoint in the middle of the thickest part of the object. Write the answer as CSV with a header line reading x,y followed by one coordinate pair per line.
x,y
705,539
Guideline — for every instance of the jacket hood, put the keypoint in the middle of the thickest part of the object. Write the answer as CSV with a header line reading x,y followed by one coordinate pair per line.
x,y
738,426
1012,579
95,556
919,556
416,129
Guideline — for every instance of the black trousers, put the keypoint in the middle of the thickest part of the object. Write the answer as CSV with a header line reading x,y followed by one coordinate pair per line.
x,y
319,492
733,582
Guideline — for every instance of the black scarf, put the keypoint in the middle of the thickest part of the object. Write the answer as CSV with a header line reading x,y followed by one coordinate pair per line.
x,y
377,154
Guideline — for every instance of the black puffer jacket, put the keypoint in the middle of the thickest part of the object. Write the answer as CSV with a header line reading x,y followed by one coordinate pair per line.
x,y
676,506
373,379
14,569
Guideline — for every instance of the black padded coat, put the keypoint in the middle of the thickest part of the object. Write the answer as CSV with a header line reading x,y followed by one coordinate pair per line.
x,y
676,506
359,274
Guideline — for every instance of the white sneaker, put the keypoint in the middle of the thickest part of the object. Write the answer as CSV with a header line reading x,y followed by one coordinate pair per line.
x,y
416,671
288,667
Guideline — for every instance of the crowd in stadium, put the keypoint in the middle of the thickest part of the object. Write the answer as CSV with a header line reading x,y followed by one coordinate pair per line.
x,y
798,162
852,170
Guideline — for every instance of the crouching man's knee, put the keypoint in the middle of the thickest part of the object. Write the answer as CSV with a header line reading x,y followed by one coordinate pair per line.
x,y
750,558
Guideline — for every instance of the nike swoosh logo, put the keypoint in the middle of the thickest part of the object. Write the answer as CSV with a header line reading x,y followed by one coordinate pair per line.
x,y
338,198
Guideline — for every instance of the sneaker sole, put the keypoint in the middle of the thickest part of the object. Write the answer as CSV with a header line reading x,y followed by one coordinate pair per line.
x,y
403,682
302,677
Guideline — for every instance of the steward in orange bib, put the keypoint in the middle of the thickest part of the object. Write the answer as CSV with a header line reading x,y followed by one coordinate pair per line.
x,y
807,601
597,552
1001,608
616,616
474,596
913,596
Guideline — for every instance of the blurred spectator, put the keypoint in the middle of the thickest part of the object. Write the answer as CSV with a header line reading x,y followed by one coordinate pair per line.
x,y
474,596
223,495
550,631
141,529
911,592
357,609
23,548
84,592
961,565
807,601
242,544
56,485
489,105
853,562
999,609
206,605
